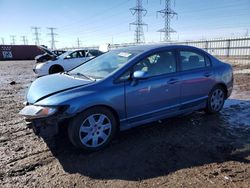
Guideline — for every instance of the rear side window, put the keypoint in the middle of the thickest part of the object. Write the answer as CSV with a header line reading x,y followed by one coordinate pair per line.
x,y
94,53
191,60
77,54
82,53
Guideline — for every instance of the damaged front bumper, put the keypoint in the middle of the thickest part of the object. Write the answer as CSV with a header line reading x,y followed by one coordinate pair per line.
x,y
44,120
44,128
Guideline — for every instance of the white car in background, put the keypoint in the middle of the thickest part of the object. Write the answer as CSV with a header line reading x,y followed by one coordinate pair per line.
x,y
65,62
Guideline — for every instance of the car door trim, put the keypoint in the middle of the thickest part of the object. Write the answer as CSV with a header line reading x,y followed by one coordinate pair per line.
x,y
168,108
194,102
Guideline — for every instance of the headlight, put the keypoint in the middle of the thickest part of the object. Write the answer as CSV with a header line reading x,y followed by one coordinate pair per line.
x,y
40,65
33,112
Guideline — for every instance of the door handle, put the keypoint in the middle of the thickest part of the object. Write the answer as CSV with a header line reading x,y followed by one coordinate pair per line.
x,y
208,74
173,81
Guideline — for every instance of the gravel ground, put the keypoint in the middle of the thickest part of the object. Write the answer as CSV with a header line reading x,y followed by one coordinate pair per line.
x,y
197,150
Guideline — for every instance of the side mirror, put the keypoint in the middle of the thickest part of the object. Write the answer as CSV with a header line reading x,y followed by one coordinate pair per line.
x,y
139,75
67,57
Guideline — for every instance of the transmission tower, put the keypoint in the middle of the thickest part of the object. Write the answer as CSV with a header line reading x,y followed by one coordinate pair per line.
x,y
52,34
24,40
139,12
13,39
2,40
78,42
167,13
36,34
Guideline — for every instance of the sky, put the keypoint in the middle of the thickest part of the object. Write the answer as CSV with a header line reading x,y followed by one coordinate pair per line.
x,y
97,22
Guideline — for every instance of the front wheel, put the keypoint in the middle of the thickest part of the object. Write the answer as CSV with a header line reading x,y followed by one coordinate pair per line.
x,y
93,129
55,69
216,100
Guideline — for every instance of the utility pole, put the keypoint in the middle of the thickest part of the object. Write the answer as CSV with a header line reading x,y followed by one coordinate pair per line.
x,y
24,40
78,42
13,39
36,34
246,35
2,40
167,13
52,34
139,12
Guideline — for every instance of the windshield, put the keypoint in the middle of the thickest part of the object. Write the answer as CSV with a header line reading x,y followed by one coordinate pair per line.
x,y
65,54
103,65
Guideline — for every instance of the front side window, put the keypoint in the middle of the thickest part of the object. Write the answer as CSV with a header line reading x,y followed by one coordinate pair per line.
x,y
74,55
191,60
101,66
157,64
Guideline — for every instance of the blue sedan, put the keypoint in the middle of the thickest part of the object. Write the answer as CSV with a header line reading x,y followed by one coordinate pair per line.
x,y
125,88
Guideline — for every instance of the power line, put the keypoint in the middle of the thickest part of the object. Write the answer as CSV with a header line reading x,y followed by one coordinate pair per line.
x,y
13,39
95,17
90,30
36,34
111,28
24,40
52,34
167,14
139,11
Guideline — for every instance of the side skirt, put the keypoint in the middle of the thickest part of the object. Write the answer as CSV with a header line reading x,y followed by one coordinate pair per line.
x,y
148,118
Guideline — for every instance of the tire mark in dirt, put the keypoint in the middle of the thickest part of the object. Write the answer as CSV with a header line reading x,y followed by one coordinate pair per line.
x,y
26,156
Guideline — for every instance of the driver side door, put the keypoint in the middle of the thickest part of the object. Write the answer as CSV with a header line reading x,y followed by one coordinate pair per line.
x,y
159,94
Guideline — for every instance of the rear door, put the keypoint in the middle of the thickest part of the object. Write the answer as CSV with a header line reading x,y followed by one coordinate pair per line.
x,y
197,77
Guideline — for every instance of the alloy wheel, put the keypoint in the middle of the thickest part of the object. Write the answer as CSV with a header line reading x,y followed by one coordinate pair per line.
x,y
95,130
217,99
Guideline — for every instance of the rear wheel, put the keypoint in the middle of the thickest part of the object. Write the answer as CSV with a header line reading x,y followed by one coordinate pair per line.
x,y
93,129
216,100
55,69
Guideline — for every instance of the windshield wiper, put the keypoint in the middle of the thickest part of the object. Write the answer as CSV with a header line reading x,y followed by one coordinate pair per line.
x,y
80,74
86,76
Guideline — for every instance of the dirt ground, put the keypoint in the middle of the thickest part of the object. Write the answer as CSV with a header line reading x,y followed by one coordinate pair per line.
x,y
197,150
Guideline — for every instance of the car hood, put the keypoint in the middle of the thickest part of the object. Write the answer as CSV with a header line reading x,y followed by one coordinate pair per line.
x,y
52,84
46,50
39,56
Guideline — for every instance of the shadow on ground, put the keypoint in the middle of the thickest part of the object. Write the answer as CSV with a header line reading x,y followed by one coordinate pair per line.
x,y
161,148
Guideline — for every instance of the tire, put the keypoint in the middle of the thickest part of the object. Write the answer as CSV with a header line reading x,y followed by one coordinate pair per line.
x,y
55,69
216,100
85,132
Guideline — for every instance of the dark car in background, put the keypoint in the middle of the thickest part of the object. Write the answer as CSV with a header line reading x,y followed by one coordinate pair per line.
x,y
125,88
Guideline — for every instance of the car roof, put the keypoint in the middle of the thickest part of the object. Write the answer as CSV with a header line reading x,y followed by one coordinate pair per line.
x,y
148,47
